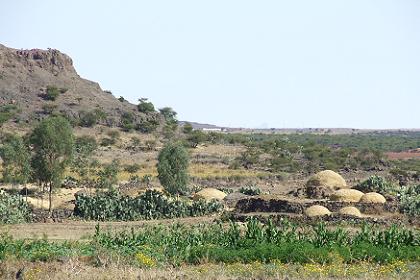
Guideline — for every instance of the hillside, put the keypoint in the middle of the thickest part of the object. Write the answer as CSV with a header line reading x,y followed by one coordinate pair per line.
x,y
28,77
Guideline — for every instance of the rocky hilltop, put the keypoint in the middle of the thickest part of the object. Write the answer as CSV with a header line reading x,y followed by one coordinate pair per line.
x,y
28,77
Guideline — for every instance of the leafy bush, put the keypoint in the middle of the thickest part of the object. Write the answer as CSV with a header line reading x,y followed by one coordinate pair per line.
x,y
145,106
52,93
7,112
112,205
377,184
88,119
13,209
107,176
250,190
410,200
172,168
127,121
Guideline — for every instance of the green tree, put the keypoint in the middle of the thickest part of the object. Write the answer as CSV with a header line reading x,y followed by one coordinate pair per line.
x,y
169,115
145,106
16,161
172,168
52,142
107,177
187,128
196,137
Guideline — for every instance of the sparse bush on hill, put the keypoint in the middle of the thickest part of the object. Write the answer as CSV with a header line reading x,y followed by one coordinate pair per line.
x,y
145,106
172,168
7,112
91,118
147,125
52,93
49,108
127,121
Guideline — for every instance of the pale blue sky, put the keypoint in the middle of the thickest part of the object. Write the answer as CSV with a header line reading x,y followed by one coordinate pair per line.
x,y
240,63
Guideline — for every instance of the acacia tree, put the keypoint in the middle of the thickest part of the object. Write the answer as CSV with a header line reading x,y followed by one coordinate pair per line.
x,y
52,142
16,161
172,168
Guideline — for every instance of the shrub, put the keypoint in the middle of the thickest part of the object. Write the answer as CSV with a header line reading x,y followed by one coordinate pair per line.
x,y
87,119
377,184
172,168
250,190
52,93
410,200
145,106
127,121
49,108
107,176
147,125
7,112
112,205
13,209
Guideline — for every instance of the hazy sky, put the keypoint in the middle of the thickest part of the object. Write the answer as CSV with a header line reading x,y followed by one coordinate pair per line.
x,y
240,63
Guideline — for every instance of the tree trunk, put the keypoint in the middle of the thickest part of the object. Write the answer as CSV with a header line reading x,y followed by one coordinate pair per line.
x,y
50,201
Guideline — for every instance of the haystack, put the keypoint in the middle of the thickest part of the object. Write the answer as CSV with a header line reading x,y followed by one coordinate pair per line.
x,y
346,195
350,211
373,197
317,211
209,194
324,183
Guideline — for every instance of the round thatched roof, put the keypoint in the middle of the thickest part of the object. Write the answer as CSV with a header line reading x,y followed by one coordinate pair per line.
x,y
350,211
209,194
373,197
346,195
324,183
316,211
327,178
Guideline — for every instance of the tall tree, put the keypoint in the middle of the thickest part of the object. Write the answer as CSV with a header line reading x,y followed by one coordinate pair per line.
x,y
16,161
172,168
52,142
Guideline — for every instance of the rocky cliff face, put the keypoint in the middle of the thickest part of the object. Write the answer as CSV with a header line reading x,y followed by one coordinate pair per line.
x,y
25,76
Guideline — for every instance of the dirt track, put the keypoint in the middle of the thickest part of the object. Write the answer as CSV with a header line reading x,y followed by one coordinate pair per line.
x,y
76,230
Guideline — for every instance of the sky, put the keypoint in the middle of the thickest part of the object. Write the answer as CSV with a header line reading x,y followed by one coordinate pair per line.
x,y
240,63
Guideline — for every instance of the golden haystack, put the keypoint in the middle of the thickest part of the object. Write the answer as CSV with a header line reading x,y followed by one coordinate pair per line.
x,y
317,211
328,178
373,197
324,183
350,211
209,194
346,195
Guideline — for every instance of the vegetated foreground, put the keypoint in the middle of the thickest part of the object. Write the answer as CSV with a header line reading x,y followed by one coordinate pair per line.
x,y
247,250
